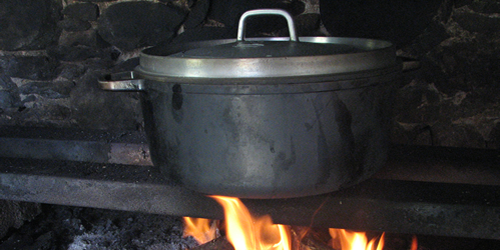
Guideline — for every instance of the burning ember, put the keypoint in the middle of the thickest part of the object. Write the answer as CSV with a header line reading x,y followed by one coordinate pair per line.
x,y
202,230
346,240
246,232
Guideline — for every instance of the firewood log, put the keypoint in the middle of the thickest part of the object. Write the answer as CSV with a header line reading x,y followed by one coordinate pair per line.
x,y
220,243
304,238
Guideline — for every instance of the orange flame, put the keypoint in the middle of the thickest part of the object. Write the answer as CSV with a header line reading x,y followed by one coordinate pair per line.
x,y
414,243
202,230
354,240
248,233
245,232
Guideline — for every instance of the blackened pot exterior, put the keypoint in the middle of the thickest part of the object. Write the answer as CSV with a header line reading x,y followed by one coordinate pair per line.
x,y
267,117
270,141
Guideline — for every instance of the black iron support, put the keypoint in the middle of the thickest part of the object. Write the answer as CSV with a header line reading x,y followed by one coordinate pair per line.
x,y
422,190
446,209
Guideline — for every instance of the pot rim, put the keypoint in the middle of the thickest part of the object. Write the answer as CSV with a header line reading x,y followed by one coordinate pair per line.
x,y
376,54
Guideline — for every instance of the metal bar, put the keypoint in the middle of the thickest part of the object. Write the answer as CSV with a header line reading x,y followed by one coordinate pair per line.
x,y
412,163
463,200
446,209
397,206
442,165
76,150
115,195
121,147
109,186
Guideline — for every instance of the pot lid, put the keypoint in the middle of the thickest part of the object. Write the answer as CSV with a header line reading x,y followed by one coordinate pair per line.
x,y
267,49
267,57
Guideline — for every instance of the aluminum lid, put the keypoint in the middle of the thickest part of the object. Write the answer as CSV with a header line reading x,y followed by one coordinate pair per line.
x,y
267,49
267,57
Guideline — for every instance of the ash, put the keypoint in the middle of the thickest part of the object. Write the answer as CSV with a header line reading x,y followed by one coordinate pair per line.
x,y
72,228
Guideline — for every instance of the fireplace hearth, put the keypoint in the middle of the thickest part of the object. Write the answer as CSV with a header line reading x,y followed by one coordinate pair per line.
x,y
422,190
64,227
82,153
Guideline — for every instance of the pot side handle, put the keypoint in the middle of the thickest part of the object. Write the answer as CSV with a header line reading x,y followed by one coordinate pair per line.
x,y
409,64
123,81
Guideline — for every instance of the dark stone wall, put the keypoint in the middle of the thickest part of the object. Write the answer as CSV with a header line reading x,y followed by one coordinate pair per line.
x,y
52,51
454,99
28,24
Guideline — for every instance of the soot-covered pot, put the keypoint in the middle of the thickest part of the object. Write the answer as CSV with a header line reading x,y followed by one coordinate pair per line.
x,y
266,117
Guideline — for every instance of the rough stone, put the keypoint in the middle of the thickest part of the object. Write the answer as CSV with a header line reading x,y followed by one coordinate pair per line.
x,y
44,113
74,25
445,10
426,116
39,110
411,134
9,93
454,98
416,96
97,1
50,90
94,108
72,54
28,24
464,65
131,25
455,59
14,213
485,6
105,59
127,65
204,33
476,22
396,21
30,67
180,3
72,70
307,24
198,14
82,11
494,136
6,100
451,135
6,84
229,12
431,37
88,38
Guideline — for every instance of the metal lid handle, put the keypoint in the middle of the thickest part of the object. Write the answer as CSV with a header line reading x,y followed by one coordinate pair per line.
x,y
286,15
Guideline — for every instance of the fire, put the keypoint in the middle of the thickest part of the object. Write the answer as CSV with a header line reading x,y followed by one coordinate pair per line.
x,y
202,230
414,244
246,232
354,240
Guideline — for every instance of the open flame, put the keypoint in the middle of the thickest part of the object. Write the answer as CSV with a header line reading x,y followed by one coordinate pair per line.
x,y
246,232
343,239
202,230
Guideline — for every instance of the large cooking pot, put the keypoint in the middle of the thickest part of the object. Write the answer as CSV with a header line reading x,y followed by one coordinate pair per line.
x,y
266,117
